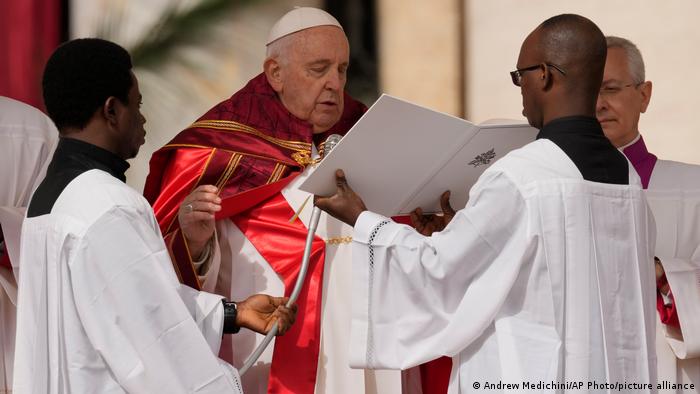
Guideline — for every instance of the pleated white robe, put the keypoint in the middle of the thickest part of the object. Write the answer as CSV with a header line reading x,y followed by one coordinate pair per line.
x,y
542,277
27,141
674,198
100,308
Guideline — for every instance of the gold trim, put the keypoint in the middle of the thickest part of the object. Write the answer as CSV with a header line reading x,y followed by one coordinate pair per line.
x,y
304,158
223,150
298,212
189,257
273,175
280,173
204,170
339,240
230,169
235,126
224,172
277,173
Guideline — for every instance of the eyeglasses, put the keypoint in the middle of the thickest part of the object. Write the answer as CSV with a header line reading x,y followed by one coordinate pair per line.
x,y
613,90
517,75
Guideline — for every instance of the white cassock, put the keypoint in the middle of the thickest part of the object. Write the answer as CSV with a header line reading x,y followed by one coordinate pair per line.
x,y
249,273
542,277
101,308
27,141
674,198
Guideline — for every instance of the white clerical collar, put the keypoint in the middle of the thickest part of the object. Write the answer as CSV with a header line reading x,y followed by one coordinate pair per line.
x,y
631,142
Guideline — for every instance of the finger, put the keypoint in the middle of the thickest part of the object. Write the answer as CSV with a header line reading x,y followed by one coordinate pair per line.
x,y
286,313
278,301
282,323
283,314
292,312
285,318
206,188
415,219
340,180
445,204
204,206
196,216
283,326
203,196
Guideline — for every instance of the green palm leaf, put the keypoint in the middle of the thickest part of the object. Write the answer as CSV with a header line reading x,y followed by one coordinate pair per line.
x,y
176,28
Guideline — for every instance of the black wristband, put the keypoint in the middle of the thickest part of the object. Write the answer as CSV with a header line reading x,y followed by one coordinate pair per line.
x,y
230,313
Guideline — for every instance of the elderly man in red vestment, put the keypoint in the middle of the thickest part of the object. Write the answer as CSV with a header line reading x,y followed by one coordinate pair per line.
x,y
225,194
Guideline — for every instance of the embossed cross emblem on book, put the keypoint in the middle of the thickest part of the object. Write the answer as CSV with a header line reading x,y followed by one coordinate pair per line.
x,y
484,158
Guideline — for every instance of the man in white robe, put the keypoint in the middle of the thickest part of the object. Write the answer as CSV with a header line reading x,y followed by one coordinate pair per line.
x,y
100,308
546,276
274,126
673,193
27,140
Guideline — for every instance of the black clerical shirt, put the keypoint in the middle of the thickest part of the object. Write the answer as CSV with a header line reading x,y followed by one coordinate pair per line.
x,y
582,139
72,158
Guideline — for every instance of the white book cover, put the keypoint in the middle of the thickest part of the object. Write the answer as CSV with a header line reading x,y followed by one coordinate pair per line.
x,y
400,156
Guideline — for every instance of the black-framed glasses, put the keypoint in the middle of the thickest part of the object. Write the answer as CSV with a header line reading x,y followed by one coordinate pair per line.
x,y
517,75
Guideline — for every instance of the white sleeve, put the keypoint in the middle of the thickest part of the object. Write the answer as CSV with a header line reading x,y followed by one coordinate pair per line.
x,y
131,307
417,298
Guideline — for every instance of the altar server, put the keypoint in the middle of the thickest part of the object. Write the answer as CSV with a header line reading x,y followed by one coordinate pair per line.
x,y
546,275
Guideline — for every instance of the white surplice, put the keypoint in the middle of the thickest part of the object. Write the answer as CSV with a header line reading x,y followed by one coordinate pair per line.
x,y
27,141
542,277
674,198
100,308
238,270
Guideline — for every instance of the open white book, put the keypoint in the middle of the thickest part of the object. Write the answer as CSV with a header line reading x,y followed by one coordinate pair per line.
x,y
400,156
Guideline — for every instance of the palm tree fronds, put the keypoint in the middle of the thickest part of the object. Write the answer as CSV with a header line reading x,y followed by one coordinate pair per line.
x,y
177,27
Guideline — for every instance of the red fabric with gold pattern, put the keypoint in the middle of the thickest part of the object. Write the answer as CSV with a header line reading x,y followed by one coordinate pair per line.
x,y
250,147
247,141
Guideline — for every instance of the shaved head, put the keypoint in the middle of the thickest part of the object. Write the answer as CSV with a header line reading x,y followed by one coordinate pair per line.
x,y
570,51
577,45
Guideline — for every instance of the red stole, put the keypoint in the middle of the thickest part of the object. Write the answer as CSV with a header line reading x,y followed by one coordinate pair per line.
x,y
267,227
250,147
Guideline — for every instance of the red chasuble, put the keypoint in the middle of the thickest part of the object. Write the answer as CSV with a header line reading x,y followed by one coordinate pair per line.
x,y
251,147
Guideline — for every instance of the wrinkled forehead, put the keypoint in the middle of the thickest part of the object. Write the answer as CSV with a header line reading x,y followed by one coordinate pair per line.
x,y
320,43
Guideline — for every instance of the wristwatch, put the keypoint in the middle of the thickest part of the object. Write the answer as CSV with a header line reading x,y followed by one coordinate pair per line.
x,y
230,314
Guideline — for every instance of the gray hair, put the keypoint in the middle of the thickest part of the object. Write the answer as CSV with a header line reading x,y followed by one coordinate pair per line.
x,y
280,49
634,57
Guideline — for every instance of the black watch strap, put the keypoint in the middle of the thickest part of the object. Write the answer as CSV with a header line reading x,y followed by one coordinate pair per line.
x,y
230,313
